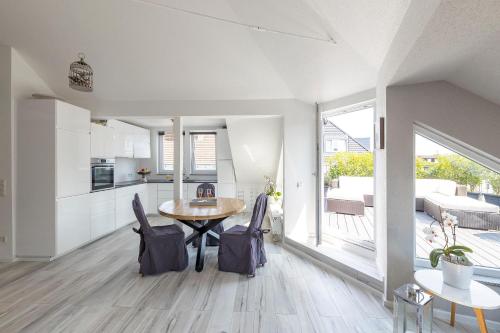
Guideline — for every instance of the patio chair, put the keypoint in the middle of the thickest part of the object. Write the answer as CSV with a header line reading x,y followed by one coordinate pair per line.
x,y
162,248
241,248
203,191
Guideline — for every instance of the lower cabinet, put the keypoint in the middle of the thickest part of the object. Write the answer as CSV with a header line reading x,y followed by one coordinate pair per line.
x,y
102,213
72,222
124,196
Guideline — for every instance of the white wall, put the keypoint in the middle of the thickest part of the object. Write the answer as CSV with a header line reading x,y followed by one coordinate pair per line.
x,y
255,147
299,142
455,113
126,169
18,82
6,152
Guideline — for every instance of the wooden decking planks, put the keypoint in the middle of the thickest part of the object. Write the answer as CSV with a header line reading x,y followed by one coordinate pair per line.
x,y
486,244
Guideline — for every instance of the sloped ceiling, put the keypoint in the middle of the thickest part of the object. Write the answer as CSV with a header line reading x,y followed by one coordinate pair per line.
x,y
460,44
141,50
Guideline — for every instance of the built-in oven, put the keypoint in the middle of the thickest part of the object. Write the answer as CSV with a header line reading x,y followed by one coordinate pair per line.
x,y
103,174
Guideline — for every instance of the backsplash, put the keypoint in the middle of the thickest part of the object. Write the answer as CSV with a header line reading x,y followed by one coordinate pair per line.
x,y
125,169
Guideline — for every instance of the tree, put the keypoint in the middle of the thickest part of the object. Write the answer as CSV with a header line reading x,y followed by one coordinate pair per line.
x,y
494,180
350,164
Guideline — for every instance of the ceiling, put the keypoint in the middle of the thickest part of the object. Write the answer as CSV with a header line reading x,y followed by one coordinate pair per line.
x,y
141,50
153,122
460,44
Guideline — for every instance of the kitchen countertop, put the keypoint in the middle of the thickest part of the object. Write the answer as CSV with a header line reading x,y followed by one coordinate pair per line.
x,y
159,181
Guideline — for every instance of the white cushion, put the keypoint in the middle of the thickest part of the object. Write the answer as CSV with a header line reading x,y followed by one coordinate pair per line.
x,y
461,203
427,186
344,194
359,185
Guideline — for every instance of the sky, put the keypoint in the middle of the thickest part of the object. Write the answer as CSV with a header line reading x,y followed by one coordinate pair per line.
x,y
359,124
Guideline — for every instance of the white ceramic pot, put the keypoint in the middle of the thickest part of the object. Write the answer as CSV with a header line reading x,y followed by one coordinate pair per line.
x,y
458,276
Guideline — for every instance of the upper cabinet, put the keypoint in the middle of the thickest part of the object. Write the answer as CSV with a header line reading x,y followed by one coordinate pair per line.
x,y
130,141
142,143
102,139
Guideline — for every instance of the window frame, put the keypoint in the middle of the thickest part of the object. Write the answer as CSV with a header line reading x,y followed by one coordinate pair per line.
x,y
480,272
161,170
195,171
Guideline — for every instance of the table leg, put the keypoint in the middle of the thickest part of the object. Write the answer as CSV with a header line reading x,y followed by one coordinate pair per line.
x,y
200,256
480,320
452,314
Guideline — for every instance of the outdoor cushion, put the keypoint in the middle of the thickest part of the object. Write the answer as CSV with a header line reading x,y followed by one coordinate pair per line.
x,y
461,203
424,187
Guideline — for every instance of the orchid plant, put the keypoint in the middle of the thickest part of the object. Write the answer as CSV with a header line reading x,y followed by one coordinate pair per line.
x,y
450,251
270,189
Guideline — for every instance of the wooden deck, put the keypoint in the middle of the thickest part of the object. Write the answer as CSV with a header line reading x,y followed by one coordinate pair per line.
x,y
360,230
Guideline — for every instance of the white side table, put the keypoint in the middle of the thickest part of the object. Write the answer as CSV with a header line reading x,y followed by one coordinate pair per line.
x,y
479,297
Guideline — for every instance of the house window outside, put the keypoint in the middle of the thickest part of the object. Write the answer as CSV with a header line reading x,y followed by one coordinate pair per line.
x,y
334,145
165,152
203,153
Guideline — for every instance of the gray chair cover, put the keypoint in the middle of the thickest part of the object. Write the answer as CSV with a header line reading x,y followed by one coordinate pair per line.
x,y
219,228
162,248
241,249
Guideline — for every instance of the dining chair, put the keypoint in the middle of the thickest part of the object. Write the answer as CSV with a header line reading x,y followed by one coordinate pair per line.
x,y
162,248
207,190
241,249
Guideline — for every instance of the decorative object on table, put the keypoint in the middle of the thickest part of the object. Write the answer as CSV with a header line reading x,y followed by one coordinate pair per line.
x,y
457,268
81,75
413,310
144,172
270,189
203,202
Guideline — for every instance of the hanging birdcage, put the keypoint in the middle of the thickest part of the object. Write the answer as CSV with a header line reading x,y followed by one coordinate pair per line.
x,y
81,75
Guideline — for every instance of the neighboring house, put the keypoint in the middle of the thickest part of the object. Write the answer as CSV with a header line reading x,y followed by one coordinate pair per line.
x,y
336,140
429,158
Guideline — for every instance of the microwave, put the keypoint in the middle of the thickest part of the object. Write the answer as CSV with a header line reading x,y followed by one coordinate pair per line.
x,y
103,174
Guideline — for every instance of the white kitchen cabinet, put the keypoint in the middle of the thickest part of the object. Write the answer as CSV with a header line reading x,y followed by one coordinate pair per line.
x,y
71,117
53,155
124,196
130,141
72,163
142,143
72,223
165,193
152,207
222,144
102,213
102,141
124,138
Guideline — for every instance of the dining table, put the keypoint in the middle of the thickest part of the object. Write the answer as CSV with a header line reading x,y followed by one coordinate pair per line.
x,y
202,219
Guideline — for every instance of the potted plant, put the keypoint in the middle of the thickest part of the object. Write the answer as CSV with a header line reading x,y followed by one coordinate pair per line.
x,y
270,190
457,268
144,172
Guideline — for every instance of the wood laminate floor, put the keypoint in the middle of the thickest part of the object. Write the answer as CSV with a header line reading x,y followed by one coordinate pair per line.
x,y
97,289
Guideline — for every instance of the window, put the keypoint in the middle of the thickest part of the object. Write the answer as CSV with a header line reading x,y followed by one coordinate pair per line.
x,y
203,154
448,181
166,152
333,145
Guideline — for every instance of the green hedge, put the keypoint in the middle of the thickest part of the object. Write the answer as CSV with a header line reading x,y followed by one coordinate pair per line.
x,y
453,167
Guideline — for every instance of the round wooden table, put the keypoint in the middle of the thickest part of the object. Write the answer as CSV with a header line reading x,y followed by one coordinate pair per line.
x,y
202,219
479,297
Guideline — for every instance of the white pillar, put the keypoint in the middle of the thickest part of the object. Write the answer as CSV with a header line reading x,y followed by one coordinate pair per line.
x,y
178,157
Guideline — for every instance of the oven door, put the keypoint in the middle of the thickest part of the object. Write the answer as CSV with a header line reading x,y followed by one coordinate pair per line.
x,y
103,177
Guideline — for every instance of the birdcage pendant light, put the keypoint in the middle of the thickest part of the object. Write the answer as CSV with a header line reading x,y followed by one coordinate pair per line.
x,y
81,75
